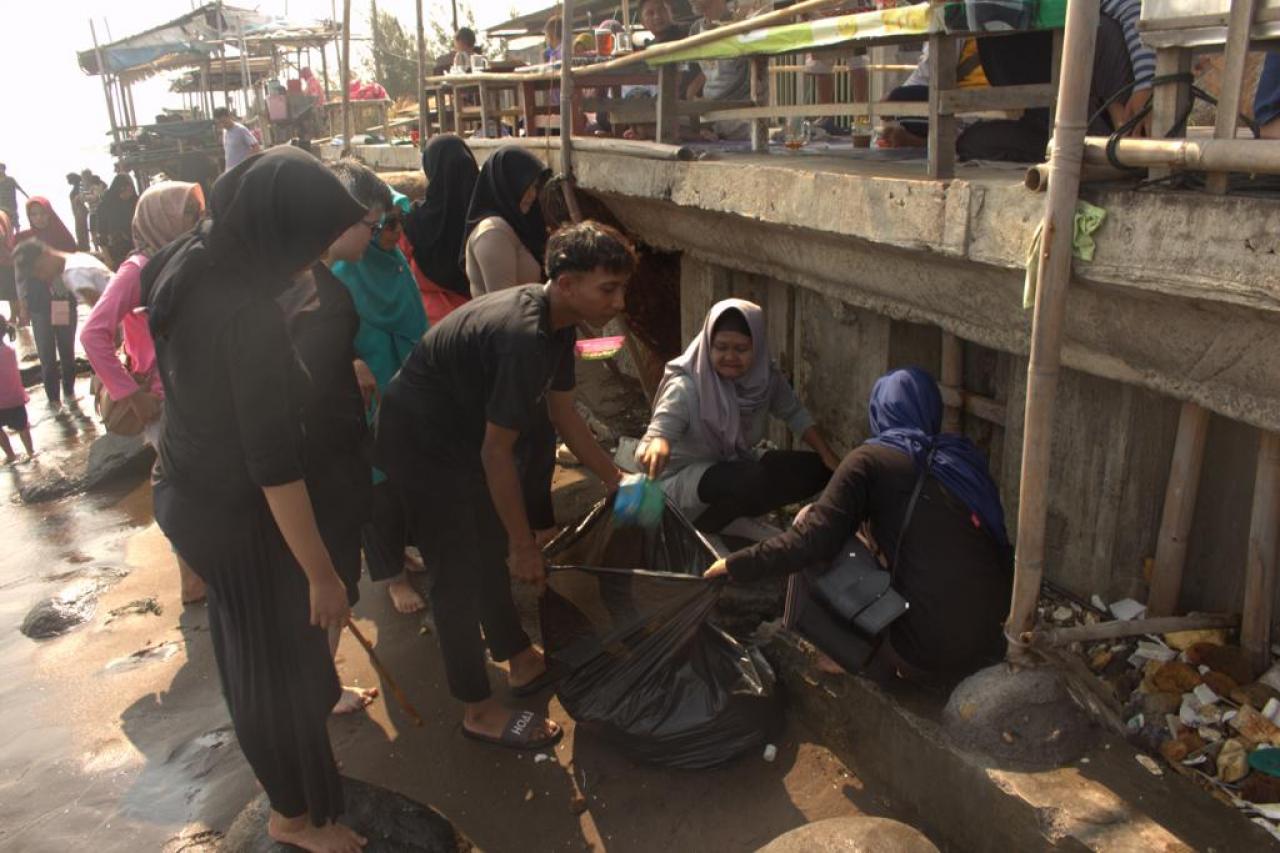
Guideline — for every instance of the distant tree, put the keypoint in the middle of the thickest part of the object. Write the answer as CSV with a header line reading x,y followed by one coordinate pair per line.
x,y
396,53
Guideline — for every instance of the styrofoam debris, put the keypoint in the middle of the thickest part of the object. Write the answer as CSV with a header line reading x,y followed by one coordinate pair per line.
x,y
1126,609
1154,651
1271,710
1271,677
1205,694
1149,764
541,757
1096,601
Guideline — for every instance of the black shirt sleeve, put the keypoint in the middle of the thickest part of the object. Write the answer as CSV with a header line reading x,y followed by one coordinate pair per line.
x,y
564,378
819,535
262,366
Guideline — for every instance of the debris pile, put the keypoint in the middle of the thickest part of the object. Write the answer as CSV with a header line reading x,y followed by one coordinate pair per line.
x,y
1190,697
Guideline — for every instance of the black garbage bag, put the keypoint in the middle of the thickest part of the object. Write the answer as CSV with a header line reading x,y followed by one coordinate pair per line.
x,y
625,614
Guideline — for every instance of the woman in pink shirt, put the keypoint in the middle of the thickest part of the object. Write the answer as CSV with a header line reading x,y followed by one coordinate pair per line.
x,y
165,212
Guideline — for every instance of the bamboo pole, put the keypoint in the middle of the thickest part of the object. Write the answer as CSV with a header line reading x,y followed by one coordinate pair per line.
x,y
346,77
1130,628
106,82
424,120
1179,510
1257,156
658,51
603,145
1037,177
1050,308
1234,56
324,67
222,51
1260,569
566,110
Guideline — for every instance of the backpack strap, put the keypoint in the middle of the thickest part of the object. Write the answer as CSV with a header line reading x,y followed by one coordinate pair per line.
x,y
911,509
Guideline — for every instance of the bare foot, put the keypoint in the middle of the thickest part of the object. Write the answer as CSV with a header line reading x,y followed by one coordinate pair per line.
x,y
526,667
354,699
413,562
404,596
298,831
193,590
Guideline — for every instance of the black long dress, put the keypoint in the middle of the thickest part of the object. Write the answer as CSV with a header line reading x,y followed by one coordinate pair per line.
x,y
323,323
955,576
234,393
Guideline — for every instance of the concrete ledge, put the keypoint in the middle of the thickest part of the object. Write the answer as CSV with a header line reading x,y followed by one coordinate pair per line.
x,y
1107,801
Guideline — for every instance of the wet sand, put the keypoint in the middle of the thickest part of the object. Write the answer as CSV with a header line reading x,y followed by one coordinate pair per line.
x,y
115,736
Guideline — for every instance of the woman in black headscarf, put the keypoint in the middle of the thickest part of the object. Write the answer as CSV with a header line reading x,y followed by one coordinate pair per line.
x,y
436,229
230,491
506,235
115,218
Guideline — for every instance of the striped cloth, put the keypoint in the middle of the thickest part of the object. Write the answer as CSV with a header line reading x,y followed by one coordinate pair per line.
x,y
1141,57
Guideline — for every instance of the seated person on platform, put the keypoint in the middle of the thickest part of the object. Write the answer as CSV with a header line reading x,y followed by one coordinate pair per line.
x,y
955,566
1023,59
464,44
713,406
721,79
656,17
914,132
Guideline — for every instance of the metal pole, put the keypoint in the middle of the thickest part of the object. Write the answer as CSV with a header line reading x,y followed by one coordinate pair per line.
x,y
346,77
106,83
424,120
1050,311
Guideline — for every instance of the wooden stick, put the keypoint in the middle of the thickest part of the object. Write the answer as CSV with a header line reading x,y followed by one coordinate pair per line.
x,y
1129,628
1260,570
424,118
1037,178
1179,510
623,147
1050,310
346,77
106,83
942,124
566,91
1234,56
385,675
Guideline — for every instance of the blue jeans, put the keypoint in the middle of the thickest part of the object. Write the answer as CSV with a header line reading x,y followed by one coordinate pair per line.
x,y
56,346
1266,101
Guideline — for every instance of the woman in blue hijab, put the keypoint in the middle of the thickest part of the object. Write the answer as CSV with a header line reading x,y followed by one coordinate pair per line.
x,y
955,566
392,320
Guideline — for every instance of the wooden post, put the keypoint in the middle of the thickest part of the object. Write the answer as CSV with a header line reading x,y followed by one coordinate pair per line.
x,y
106,83
566,92
1051,302
1179,510
942,128
324,67
759,97
377,56
1260,571
1169,101
346,77
668,123
528,99
485,110
953,378
424,118
1235,54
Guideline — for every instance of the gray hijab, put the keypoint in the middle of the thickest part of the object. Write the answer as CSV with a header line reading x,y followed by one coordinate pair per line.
x,y
721,402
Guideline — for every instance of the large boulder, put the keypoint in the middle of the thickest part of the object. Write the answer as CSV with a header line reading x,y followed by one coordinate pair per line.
x,y
108,459
852,835
1018,716
391,821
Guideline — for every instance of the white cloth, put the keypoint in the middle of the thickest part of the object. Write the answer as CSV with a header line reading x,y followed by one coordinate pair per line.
x,y
83,272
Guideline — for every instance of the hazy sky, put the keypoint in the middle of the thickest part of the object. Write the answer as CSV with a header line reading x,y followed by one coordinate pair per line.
x,y
54,117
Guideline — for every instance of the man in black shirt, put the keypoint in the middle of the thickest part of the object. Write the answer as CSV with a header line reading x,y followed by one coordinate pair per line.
x,y
446,436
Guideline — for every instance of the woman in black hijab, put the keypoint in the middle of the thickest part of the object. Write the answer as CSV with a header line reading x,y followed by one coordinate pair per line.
x,y
506,235
115,218
437,228
229,489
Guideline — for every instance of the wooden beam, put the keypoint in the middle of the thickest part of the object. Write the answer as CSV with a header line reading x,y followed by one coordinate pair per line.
x,y
942,126
1130,628
1260,568
997,98
424,116
668,123
1234,56
982,408
1179,510
952,380
1169,101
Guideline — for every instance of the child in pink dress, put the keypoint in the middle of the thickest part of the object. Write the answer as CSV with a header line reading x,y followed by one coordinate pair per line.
x,y
13,400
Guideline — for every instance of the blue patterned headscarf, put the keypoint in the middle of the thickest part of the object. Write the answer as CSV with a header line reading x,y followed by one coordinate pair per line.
x,y
906,414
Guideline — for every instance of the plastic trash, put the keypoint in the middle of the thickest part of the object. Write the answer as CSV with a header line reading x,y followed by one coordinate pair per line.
x,y
639,501
625,615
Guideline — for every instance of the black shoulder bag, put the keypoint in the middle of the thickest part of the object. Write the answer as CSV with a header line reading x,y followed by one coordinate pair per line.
x,y
845,606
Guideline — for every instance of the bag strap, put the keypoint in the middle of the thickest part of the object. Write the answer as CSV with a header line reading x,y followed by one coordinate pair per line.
x,y
911,508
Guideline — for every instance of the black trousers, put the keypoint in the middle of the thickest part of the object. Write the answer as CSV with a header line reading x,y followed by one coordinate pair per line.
x,y
748,488
56,346
384,555
536,457
464,547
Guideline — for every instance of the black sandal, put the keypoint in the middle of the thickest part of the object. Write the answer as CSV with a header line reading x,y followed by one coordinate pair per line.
x,y
516,733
